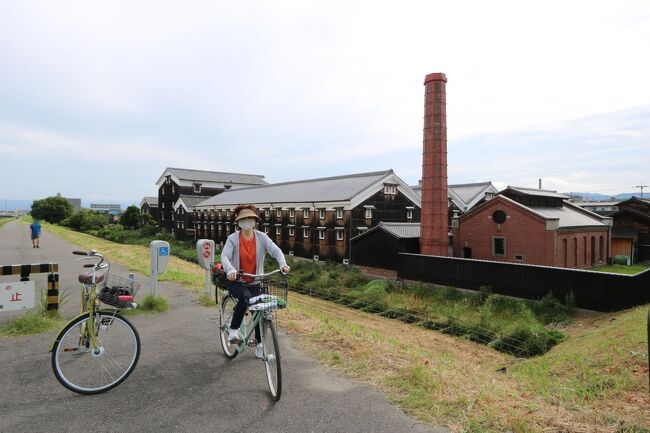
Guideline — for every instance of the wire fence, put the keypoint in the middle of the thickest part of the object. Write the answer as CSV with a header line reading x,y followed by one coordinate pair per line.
x,y
447,325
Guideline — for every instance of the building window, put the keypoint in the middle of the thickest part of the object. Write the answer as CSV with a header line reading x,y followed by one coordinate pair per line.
x,y
321,234
409,214
519,258
267,213
278,231
291,214
321,214
498,246
368,213
305,214
168,179
339,235
197,188
228,213
278,213
173,188
291,231
266,229
339,213
390,189
305,233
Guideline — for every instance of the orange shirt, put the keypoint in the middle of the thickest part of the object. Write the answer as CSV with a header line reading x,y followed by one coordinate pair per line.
x,y
247,256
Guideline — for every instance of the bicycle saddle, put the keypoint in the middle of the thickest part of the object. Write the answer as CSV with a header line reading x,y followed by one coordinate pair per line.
x,y
87,278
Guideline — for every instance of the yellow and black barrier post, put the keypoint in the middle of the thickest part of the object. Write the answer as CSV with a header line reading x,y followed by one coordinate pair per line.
x,y
38,268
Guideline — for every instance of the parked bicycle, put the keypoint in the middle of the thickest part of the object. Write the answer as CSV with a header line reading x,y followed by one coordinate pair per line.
x,y
261,312
98,350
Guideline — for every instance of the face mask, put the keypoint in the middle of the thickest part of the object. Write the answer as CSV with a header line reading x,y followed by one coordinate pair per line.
x,y
246,224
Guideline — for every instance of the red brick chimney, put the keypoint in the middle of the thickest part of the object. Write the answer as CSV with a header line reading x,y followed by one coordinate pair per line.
x,y
433,234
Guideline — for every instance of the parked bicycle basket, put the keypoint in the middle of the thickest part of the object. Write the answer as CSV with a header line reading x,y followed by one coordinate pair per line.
x,y
118,292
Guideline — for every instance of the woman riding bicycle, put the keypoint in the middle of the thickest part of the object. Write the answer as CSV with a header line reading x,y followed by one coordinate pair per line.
x,y
245,250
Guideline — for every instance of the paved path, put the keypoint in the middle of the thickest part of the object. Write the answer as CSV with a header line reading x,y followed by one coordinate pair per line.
x,y
182,383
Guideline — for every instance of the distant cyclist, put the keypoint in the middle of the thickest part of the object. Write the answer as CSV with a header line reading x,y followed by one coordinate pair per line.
x,y
245,250
35,227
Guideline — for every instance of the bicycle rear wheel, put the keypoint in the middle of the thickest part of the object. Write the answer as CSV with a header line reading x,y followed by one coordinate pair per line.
x,y
85,371
227,309
272,359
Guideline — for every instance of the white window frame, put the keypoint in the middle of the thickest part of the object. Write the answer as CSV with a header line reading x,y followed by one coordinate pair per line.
x,y
321,235
368,213
305,233
339,235
197,188
278,231
291,231
390,189
305,214
278,213
291,213
409,214
339,213
266,229
321,214
267,213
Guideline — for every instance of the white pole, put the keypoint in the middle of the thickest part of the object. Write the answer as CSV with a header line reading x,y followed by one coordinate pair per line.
x,y
208,283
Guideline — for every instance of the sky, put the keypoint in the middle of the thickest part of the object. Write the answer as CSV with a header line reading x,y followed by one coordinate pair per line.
x,y
98,98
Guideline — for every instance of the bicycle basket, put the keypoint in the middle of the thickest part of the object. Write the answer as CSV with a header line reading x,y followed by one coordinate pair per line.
x,y
274,295
115,289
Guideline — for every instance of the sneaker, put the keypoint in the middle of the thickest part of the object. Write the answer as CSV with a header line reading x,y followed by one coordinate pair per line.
x,y
259,351
37,246
234,336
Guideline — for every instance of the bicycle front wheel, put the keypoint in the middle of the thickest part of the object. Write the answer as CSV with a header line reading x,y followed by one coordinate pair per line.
x,y
272,359
227,309
85,370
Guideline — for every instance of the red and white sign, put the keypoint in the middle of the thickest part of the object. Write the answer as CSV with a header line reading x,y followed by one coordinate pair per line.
x,y
16,296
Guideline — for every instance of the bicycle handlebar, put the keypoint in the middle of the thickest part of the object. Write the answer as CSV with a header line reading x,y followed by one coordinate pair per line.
x,y
258,276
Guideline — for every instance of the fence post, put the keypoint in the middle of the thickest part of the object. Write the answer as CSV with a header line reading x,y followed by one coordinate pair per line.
x,y
52,292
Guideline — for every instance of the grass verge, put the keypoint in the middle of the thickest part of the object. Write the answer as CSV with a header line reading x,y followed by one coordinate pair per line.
x,y
596,381
623,269
149,304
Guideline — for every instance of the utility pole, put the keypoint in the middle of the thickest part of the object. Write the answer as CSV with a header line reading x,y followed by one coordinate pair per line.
x,y
641,187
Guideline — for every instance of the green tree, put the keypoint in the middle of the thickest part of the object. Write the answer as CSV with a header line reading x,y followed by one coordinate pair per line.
x,y
147,220
52,209
85,220
130,218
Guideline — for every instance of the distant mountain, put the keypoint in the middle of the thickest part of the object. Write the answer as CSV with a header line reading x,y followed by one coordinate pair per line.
x,y
15,204
591,196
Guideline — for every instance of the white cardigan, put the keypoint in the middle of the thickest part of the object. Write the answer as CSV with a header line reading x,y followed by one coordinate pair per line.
x,y
263,245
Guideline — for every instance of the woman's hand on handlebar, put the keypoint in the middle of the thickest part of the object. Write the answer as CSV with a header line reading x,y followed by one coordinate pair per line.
x,y
232,276
286,269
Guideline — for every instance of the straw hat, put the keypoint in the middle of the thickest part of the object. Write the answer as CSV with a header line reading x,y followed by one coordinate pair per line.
x,y
246,213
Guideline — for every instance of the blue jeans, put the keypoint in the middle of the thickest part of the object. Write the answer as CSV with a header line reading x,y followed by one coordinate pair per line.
x,y
243,293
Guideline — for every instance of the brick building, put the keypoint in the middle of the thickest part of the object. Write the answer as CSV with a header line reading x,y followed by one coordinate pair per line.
x,y
315,217
175,182
533,226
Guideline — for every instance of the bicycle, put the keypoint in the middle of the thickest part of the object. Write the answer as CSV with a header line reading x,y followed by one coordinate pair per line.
x,y
273,297
98,349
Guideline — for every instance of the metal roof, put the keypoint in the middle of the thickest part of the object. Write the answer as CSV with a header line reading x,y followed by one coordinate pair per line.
x,y
398,230
328,189
192,200
464,195
536,192
216,176
567,216
151,201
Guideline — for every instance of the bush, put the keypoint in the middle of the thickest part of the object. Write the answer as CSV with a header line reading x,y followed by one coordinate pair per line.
x,y
86,220
535,341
